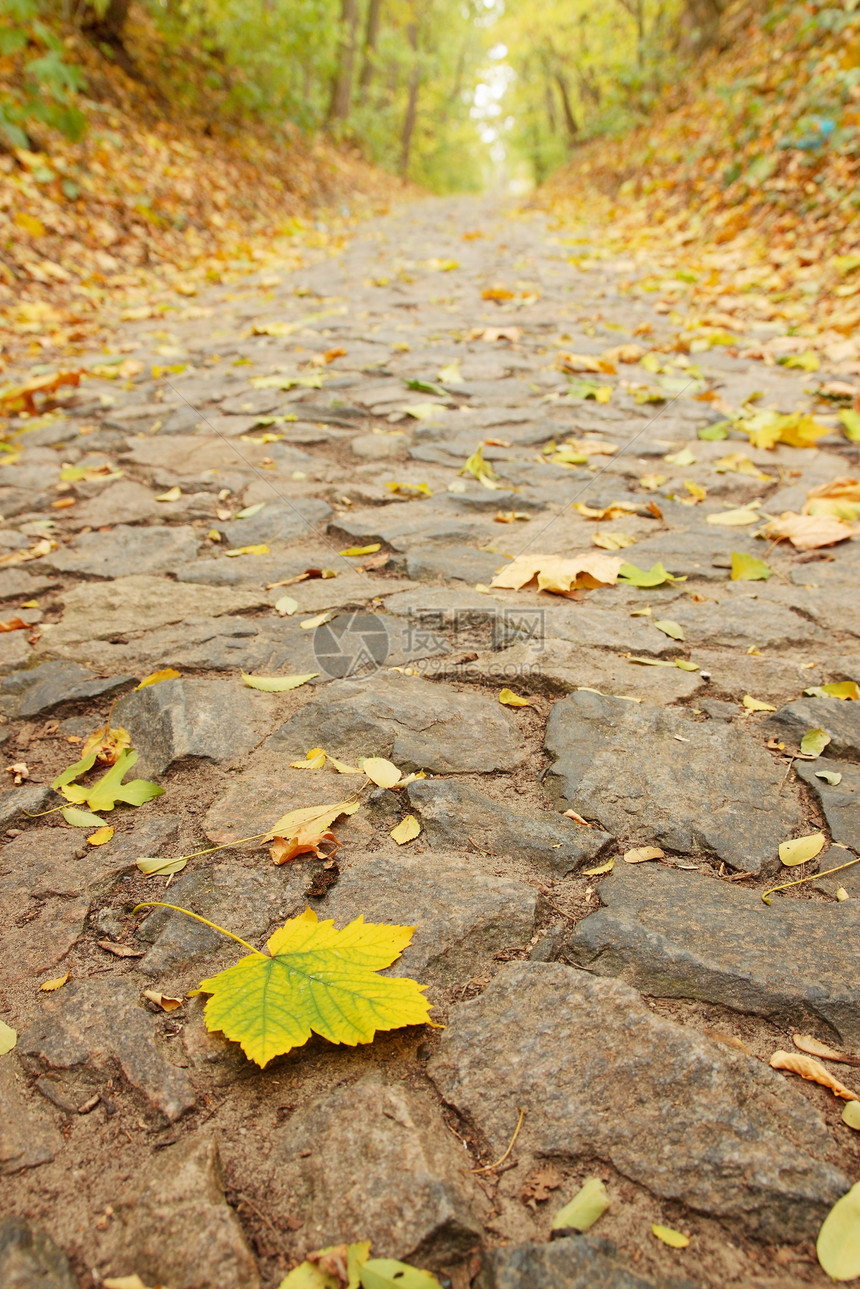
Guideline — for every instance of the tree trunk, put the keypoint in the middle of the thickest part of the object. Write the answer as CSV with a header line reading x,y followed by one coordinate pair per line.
x,y
411,105
569,118
371,35
341,90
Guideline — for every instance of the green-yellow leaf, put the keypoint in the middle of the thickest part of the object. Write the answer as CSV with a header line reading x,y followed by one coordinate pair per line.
x,y
384,774
315,980
168,673
850,424
684,664
756,705
172,494
656,575
316,1275
814,742
508,698
674,1239
423,411
311,818
851,1114
109,789
277,684
672,629
682,458
589,1203
748,568
838,1246
75,771
407,830
152,866
477,466
801,849
80,818
8,1038
847,690
833,777
385,1273
362,550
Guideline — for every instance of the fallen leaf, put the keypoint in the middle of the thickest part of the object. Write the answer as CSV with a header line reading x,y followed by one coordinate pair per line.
x,y
22,397
336,1267
656,575
740,463
385,1273
423,411
511,516
286,606
8,1038
671,629
840,498
109,789
407,830
247,550
799,850
497,293
807,532
316,980
509,699
106,745
153,866
838,1244
682,458
163,1001
48,986
540,1184
101,836
559,574
833,777
814,742
450,375
846,690
120,950
756,705
311,624
600,870
481,469
361,550
307,841
734,518
850,424
381,772
652,481
811,1070
812,1047
588,1204
172,494
614,510
80,818
307,817
167,673
667,1235
315,759
571,814
277,684
612,541
15,624
748,568
642,853
492,334
851,1114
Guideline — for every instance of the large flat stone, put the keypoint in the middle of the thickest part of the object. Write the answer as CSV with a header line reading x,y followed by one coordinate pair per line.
x,y
462,916
178,1229
41,689
27,1136
126,550
94,1031
839,718
676,934
413,721
600,1075
453,812
210,720
283,520
649,775
29,1259
140,603
370,1162
584,1262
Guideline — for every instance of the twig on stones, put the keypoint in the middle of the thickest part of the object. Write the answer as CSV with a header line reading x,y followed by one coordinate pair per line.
x,y
810,878
489,1168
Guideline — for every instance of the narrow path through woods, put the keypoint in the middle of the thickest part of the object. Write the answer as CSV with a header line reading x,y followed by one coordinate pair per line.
x,y
181,519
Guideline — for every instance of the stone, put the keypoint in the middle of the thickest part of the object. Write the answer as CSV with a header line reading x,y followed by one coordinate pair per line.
x,y
648,775
210,720
840,802
95,1031
374,1162
839,718
280,521
29,1258
137,603
462,563
407,527
674,934
43,688
411,720
706,555
177,1228
123,502
379,447
15,584
743,620
583,1262
600,1075
452,812
15,650
463,916
16,803
126,550
262,790
27,1136
44,893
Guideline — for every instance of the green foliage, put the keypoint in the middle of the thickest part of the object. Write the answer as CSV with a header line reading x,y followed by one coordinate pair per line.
x,y
45,90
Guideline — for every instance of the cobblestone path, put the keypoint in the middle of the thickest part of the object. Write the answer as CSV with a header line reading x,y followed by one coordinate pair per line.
x,y
631,1013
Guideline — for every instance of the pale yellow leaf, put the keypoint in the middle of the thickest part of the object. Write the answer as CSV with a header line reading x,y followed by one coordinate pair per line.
x,y
642,853
756,705
407,830
156,677
799,850
557,573
808,532
735,518
381,772
286,606
601,868
812,1070
154,866
247,550
277,684
8,1038
307,817
172,494
362,550
838,1245
508,698
311,624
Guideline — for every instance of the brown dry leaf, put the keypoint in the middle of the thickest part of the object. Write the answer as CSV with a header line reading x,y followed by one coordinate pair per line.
x,y
808,1068
22,397
613,511
163,1001
840,498
19,771
812,1047
808,532
585,362
643,853
540,1184
14,624
305,842
577,819
559,574
492,334
43,547
48,986
120,950
108,744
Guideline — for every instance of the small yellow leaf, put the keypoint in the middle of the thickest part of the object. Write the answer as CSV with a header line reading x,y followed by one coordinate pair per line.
x,y
247,550
613,541
734,518
166,1003
154,866
799,850
311,624
381,772
813,1071
652,481
286,606
314,760
343,767
8,1038
682,458
851,1114
509,699
756,705
172,494
672,629
847,690
48,986
277,684
310,817
842,894
838,1245
748,568
407,830
361,550
168,673
100,836
642,853
674,1239
602,868
814,742
589,1203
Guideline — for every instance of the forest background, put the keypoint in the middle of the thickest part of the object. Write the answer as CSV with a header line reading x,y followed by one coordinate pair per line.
x,y
173,138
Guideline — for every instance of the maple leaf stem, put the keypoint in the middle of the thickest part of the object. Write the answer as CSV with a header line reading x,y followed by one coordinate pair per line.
x,y
227,845
801,880
52,811
158,904
488,1168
